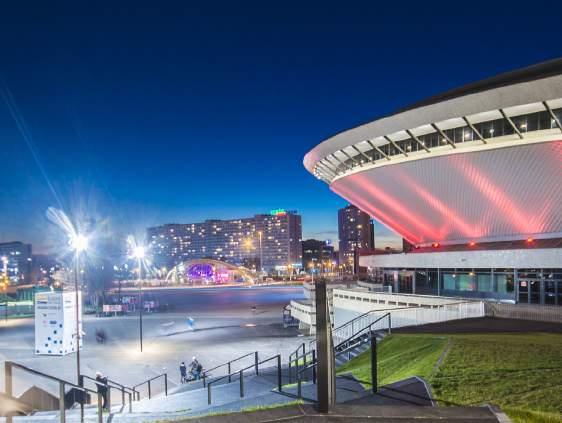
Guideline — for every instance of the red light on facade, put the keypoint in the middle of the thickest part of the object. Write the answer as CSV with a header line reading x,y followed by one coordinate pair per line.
x,y
417,247
530,240
472,243
435,245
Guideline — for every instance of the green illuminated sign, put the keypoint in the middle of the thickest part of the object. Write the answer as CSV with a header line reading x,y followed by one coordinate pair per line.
x,y
278,212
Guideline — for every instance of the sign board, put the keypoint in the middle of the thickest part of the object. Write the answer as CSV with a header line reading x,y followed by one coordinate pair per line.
x,y
150,305
112,308
55,322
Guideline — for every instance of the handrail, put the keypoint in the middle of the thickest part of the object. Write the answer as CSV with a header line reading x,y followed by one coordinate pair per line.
x,y
360,332
110,382
165,375
8,388
56,379
311,352
228,364
150,380
396,308
231,361
240,373
131,392
371,335
312,366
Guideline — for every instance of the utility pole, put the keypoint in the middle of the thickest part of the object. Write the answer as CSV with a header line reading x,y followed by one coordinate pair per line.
x,y
261,255
140,301
77,300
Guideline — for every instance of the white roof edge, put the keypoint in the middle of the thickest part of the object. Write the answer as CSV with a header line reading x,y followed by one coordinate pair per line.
x,y
548,88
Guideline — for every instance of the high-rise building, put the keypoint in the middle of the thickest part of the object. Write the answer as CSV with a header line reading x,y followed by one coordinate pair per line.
x,y
317,255
273,239
354,230
15,262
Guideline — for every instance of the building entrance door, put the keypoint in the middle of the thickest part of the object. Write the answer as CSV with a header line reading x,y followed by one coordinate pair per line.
x,y
550,292
405,283
530,291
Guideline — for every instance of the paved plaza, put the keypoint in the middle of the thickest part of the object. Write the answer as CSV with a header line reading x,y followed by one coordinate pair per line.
x,y
225,328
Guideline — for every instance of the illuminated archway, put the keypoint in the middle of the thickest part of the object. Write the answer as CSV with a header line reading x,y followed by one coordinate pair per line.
x,y
210,272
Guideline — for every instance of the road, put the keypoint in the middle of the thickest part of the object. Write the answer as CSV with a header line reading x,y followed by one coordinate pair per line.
x,y
225,328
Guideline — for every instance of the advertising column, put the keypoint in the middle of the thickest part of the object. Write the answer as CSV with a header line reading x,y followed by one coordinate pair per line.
x,y
55,323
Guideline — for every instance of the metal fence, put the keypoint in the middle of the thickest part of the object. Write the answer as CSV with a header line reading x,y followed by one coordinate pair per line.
x,y
410,316
539,313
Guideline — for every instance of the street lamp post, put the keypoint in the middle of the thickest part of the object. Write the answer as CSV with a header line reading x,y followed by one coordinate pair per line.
x,y
261,255
5,283
138,253
79,243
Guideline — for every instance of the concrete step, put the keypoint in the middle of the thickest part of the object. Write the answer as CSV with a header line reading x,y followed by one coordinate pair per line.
x,y
197,399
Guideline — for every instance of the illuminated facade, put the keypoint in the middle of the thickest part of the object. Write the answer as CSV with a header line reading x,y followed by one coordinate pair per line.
x,y
274,239
15,262
472,178
210,272
318,256
355,234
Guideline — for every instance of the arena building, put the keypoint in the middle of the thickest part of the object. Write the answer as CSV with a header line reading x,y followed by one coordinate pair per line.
x,y
471,179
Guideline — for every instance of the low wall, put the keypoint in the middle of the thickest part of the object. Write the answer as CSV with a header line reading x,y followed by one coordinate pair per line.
x,y
17,308
539,313
350,303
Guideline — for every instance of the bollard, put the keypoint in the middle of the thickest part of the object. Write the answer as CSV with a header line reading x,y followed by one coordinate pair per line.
x,y
149,390
123,395
256,361
241,384
130,403
279,381
100,409
373,363
62,408
8,378
290,373
229,373
209,394
314,366
166,384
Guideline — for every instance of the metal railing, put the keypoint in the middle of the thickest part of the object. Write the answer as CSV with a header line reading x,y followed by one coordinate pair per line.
x,y
130,392
361,336
297,360
228,365
240,374
346,347
149,383
8,376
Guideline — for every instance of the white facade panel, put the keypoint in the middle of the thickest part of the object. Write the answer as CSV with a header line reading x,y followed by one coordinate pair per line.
x,y
489,195
484,259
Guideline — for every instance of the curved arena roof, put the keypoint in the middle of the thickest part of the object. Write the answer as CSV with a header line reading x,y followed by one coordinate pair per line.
x,y
479,163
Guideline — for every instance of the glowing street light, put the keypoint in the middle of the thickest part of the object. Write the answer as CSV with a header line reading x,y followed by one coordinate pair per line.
x,y
78,243
138,252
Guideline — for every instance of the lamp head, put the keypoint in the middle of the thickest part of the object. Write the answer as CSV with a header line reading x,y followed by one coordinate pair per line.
x,y
79,243
138,252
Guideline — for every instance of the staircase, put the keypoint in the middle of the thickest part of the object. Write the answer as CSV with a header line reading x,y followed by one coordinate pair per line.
x,y
262,383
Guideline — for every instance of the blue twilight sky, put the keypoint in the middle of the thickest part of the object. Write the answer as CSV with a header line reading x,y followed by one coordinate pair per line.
x,y
147,113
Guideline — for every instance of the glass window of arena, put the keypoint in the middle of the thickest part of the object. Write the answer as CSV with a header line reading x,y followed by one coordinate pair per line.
x,y
536,121
526,286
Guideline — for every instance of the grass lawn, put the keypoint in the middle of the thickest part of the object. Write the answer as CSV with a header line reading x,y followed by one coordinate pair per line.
x,y
522,373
